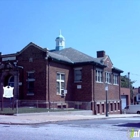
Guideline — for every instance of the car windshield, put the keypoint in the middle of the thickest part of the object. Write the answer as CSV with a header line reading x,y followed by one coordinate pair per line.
x,y
127,107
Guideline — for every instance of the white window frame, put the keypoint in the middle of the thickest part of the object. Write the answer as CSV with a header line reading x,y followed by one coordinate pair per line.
x,y
115,79
99,75
77,75
60,81
30,80
108,77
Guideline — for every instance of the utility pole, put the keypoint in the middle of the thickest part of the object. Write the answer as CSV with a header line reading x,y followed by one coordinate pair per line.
x,y
129,86
106,89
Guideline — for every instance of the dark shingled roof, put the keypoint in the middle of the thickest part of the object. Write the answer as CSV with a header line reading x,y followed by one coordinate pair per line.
x,y
73,56
116,69
76,56
59,57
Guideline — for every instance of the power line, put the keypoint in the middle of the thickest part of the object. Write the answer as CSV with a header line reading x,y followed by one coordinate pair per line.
x,y
134,74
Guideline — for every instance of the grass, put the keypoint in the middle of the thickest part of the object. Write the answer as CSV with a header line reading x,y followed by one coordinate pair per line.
x,y
9,111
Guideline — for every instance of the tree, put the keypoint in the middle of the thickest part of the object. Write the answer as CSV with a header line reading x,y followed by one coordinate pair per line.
x,y
127,83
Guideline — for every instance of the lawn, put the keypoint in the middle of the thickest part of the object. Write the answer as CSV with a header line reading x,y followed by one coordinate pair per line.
x,y
10,111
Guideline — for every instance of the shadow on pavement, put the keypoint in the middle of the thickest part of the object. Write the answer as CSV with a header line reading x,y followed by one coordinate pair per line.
x,y
137,125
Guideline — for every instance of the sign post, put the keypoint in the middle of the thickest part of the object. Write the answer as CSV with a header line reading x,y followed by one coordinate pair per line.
x,y
106,89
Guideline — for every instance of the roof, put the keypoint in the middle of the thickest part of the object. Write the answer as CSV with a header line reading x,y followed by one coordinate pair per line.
x,y
74,56
32,44
59,57
116,69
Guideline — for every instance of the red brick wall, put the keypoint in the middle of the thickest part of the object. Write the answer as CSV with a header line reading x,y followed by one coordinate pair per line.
x,y
68,71
126,91
83,94
39,66
113,90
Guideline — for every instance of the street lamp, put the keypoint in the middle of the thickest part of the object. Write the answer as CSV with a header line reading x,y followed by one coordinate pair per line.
x,y
106,89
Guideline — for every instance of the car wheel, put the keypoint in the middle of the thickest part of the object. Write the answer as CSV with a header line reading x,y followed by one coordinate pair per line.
x,y
138,112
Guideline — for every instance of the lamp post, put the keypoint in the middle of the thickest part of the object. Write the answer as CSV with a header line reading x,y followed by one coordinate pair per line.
x,y
106,89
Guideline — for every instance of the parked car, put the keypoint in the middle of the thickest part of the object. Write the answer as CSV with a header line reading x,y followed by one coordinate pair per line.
x,y
132,109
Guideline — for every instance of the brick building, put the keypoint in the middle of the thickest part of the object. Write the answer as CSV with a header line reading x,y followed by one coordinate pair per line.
x,y
62,74
125,97
136,96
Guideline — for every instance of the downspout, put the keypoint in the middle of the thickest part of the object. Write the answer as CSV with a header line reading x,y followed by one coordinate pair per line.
x,y
48,83
120,94
94,90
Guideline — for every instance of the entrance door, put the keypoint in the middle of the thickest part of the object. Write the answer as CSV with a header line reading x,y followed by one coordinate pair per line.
x,y
124,101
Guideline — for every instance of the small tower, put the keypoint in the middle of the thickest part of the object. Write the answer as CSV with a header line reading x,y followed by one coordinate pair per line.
x,y
60,42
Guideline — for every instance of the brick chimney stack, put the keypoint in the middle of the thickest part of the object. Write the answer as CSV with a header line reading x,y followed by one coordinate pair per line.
x,y
100,54
138,89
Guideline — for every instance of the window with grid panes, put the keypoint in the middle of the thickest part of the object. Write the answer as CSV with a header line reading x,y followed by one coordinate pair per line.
x,y
60,83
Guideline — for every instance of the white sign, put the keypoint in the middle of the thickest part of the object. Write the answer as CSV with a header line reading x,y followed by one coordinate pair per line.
x,y
65,91
8,58
20,83
8,92
106,88
79,86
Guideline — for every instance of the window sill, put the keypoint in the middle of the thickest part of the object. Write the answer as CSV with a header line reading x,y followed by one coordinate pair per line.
x,y
30,94
77,81
108,83
99,82
60,95
116,84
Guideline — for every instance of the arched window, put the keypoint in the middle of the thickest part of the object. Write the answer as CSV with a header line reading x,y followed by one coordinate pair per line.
x,y
11,81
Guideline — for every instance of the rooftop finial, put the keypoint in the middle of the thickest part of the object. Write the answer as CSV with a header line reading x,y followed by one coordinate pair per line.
x,y
60,31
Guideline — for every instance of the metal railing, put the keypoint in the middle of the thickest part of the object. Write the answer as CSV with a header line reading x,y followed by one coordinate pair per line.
x,y
36,106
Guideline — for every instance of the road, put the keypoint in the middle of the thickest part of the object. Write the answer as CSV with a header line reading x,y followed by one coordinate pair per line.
x,y
101,129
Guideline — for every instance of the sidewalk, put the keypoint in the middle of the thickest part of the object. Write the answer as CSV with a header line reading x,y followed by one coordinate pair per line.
x,y
36,118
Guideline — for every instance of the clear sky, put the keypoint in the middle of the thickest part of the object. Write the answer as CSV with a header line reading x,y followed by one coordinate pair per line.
x,y
87,25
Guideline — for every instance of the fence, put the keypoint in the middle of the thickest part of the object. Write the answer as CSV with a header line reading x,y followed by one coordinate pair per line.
x,y
36,106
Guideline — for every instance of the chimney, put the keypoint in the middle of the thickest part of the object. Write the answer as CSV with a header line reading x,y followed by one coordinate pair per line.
x,y
138,89
100,54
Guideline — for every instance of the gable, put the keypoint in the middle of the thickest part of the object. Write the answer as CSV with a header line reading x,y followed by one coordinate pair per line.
x,y
32,51
108,62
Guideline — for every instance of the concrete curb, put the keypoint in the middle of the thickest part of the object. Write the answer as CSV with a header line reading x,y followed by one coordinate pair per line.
x,y
62,120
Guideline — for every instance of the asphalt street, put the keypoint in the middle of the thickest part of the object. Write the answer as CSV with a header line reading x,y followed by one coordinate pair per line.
x,y
102,129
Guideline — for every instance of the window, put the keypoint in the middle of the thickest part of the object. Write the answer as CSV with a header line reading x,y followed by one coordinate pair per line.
x,y
98,108
60,83
115,79
115,106
107,77
111,106
118,106
102,108
78,74
31,59
99,75
11,81
30,83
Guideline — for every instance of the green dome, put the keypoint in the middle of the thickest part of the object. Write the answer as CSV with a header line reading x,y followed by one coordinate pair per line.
x,y
60,36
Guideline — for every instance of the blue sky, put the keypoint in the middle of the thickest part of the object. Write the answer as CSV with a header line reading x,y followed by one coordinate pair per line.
x,y
87,25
